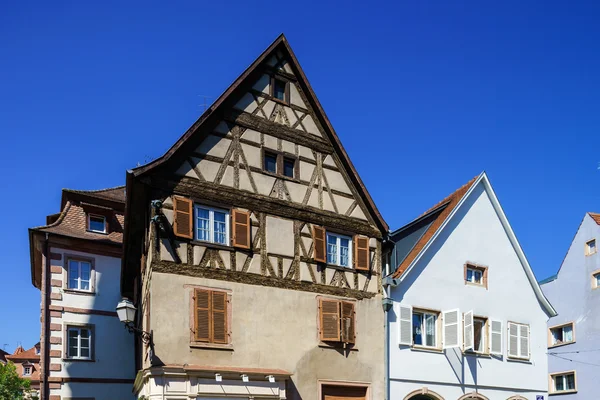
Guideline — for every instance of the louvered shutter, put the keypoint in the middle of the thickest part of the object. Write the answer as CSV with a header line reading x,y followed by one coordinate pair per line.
x,y
469,336
405,326
330,320
495,337
524,341
361,253
451,331
183,225
219,317
348,322
202,324
241,228
320,244
513,340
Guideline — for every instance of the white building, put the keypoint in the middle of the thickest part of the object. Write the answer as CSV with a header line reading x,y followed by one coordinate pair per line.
x,y
76,263
468,319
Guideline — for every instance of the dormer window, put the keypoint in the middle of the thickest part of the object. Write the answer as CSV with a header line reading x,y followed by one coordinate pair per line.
x,y
96,223
279,89
27,370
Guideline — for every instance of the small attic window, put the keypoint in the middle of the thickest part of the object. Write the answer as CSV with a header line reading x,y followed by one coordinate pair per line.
x,y
96,223
279,89
590,247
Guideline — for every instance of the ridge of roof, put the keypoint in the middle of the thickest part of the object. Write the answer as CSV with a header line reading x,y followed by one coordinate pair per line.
x,y
116,193
595,217
449,203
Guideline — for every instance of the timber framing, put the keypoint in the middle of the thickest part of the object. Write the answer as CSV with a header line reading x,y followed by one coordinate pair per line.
x,y
170,267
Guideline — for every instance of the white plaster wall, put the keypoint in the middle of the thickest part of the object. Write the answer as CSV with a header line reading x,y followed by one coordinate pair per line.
x,y
96,391
437,281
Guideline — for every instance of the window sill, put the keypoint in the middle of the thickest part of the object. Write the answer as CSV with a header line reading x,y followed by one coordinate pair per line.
x,y
427,349
560,344
481,285
338,345
217,246
562,392
97,232
338,267
77,360
278,176
81,292
518,359
211,346
477,354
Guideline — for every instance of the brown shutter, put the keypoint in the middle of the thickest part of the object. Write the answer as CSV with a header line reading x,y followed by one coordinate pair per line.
x,y
348,322
202,323
361,253
183,222
241,228
320,244
329,315
219,317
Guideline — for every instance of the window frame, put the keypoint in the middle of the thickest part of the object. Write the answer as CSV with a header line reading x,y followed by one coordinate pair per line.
x,y
25,368
92,340
485,335
518,357
211,210
595,279
79,259
587,247
476,267
561,326
552,382
192,318
339,236
340,342
286,89
438,333
89,226
280,158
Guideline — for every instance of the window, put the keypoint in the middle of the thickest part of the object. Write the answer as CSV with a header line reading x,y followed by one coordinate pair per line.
x,y
563,334
279,164
279,90
518,341
339,250
37,350
96,223
475,275
211,317
424,328
27,371
596,280
480,335
563,382
79,342
590,247
80,275
337,321
212,225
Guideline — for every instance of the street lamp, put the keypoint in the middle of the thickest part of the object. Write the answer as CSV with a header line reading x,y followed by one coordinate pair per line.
x,y
126,313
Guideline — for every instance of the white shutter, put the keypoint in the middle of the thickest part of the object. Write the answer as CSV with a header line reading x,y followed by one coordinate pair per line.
x,y
513,340
451,331
495,337
469,336
405,326
524,341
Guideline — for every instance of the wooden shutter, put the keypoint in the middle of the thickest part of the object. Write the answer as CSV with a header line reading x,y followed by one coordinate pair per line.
x,y
513,340
524,341
469,334
329,311
183,225
320,244
495,337
241,228
202,323
405,326
451,329
348,322
219,317
361,253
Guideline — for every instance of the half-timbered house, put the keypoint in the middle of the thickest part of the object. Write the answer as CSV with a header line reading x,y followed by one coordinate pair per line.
x,y
252,252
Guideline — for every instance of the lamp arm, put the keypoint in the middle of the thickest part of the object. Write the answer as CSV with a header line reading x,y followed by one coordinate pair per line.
x,y
145,336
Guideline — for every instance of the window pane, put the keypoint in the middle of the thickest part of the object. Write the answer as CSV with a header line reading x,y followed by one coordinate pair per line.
x,y
567,332
597,276
557,336
570,382
219,227
558,383
430,330
279,89
477,276
469,275
73,345
73,274
331,249
592,246
478,334
288,167
202,224
85,352
97,224
344,252
270,162
417,328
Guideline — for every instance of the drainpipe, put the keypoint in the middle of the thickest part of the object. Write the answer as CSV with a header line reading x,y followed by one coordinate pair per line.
x,y
45,386
388,304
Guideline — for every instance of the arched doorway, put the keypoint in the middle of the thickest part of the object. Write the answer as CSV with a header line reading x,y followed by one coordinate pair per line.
x,y
423,394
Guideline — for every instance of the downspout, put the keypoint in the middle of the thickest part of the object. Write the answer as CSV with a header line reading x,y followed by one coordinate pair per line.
x,y
387,306
45,389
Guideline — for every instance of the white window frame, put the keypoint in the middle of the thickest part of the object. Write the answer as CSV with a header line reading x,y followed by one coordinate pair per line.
x,y
91,280
475,271
78,329
89,216
339,249
518,356
25,368
587,247
211,223
423,334
563,376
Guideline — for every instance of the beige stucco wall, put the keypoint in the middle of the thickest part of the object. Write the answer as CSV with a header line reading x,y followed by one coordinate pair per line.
x,y
271,328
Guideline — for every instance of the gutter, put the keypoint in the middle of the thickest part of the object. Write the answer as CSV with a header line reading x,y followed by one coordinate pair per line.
x,y
388,282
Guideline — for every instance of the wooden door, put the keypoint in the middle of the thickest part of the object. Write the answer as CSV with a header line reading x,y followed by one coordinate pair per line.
x,y
344,393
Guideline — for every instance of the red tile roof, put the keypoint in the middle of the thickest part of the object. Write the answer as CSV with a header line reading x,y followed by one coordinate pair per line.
x,y
451,202
115,193
595,217
22,354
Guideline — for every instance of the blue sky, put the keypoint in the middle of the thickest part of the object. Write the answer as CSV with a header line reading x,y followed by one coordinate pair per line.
x,y
424,95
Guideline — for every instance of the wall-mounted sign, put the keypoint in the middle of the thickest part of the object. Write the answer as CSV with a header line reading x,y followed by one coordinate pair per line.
x,y
539,397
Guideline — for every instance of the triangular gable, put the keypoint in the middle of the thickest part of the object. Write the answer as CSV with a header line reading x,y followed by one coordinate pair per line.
x,y
278,55
454,202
